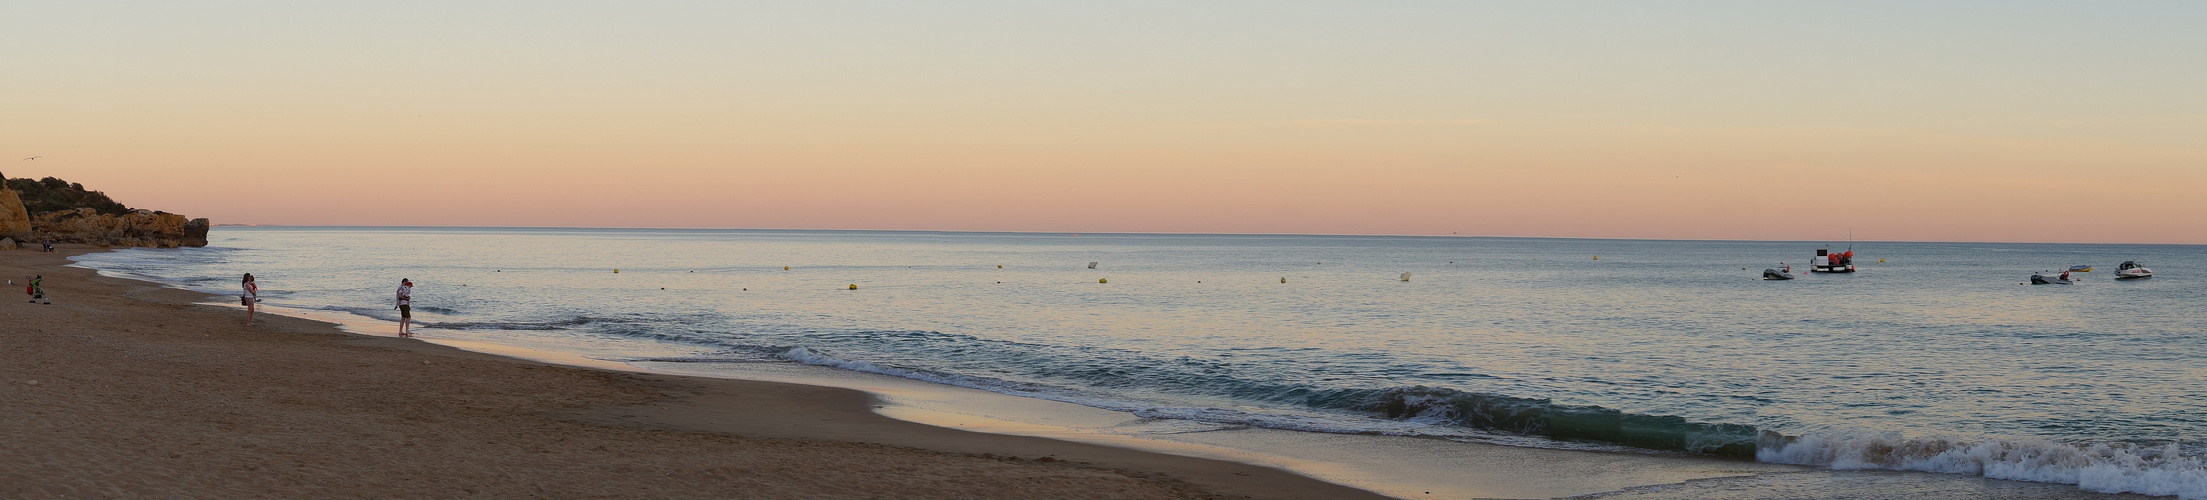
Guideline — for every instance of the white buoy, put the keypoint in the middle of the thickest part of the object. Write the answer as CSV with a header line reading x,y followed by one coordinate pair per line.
x,y
1092,265
1406,276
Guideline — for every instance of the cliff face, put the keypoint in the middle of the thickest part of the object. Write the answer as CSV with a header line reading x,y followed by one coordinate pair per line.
x,y
105,223
15,222
139,228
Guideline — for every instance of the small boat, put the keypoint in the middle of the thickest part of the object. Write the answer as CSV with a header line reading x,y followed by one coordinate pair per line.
x,y
1827,262
2080,269
2040,278
2131,270
1774,274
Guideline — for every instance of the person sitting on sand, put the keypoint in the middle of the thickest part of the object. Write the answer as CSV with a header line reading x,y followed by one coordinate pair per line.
x,y
250,296
405,308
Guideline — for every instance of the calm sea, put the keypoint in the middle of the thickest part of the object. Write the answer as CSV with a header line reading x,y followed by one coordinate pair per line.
x,y
1934,357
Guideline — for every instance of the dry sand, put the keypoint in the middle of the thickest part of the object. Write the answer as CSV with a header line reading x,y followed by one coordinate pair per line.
x,y
126,389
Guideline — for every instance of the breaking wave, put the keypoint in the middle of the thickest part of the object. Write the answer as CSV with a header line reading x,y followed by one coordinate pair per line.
x,y
2167,469
2164,469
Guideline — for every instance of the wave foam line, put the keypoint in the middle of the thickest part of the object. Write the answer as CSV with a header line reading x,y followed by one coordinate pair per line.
x,y
2106,468
1038,391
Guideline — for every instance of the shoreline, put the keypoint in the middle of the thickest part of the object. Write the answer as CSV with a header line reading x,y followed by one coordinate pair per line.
x,y
879,410
140,390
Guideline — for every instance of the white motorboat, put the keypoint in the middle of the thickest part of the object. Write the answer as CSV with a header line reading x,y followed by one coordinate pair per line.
x,y
1828,262
2131,270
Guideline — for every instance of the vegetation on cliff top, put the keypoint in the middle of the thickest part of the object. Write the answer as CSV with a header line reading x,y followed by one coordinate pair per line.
x,y
51,194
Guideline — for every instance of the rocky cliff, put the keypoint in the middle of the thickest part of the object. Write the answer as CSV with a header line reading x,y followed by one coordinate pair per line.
x,y
139,228
15,222
103,223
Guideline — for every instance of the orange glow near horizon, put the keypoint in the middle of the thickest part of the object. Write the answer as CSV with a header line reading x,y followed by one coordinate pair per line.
x,y
1782,124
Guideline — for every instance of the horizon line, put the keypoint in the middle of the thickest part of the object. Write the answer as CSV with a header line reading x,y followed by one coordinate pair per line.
x,y
1167,233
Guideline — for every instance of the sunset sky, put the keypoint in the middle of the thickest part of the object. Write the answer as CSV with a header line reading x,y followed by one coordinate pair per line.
x,y
1945,121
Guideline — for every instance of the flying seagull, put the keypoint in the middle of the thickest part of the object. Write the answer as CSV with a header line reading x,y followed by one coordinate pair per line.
x,y
35,157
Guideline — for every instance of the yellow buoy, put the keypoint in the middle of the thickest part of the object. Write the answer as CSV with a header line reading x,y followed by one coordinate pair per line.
x,y
854,286
1283,280
1881,261
785,268
1103,280
1597,257
999,266
616,271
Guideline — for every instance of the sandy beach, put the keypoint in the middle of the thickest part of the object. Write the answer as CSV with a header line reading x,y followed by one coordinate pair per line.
x,y
123,388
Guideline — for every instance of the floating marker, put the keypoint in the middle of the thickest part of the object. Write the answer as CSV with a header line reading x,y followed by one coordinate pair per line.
x,y
1597,257
1092,265
1881,261
854,286
616,271
999,266
785,268
1406,276
1103,280
1282,280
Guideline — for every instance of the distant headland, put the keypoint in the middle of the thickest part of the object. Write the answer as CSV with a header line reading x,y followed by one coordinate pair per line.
x,y
66,212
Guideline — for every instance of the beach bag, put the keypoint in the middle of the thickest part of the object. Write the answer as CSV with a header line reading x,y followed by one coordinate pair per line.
x,y
245,301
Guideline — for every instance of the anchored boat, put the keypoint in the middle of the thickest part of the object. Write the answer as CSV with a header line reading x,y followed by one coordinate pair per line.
x,y
1774,274
2040,278
2131,270
1827,262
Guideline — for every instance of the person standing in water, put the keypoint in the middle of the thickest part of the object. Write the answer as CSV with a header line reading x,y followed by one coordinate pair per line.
x,y
251,295
405,308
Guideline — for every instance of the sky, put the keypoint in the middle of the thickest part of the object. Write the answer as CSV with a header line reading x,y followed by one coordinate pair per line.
x,y
1917,120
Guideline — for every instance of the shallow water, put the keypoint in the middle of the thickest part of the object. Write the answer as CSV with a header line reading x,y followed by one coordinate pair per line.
x,y
1936,359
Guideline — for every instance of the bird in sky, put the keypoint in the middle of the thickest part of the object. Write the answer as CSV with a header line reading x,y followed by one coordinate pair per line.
x,y
35,157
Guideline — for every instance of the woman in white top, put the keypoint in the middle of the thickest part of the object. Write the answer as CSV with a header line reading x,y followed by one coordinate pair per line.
x,y
252,295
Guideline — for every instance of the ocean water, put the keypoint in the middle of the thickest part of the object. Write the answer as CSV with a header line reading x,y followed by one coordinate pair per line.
x,y
1935,357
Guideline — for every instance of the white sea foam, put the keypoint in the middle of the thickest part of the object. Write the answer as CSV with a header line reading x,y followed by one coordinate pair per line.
x,y
1427,427
2107,468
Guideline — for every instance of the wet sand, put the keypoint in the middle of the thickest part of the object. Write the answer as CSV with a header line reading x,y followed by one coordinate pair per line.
x,y
123,388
